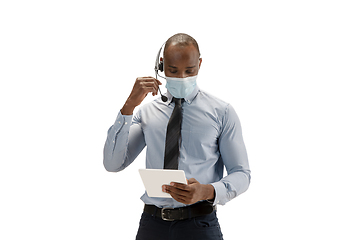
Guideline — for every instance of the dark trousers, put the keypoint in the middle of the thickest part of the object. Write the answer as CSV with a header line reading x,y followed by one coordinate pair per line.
x,y
200,228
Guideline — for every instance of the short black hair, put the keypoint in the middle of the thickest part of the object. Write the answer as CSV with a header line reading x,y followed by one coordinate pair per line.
x,y
181,39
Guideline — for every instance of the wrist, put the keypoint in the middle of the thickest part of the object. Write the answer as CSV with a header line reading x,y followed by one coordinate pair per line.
x,y
127,109
210,192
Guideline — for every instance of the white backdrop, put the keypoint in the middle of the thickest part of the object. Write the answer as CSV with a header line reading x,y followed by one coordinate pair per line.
x,y
290,69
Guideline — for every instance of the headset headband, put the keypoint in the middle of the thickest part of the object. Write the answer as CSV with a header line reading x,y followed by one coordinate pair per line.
x,y
159,65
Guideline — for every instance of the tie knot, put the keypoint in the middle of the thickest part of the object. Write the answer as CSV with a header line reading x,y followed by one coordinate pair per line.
x,y
177,101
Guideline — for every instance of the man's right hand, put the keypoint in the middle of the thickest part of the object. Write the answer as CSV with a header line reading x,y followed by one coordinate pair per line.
x,y
142,86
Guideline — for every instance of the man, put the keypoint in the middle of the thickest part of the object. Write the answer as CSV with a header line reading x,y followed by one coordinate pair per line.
x,y
210,138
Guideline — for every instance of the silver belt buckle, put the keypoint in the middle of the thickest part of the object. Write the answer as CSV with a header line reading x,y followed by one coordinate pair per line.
x,y
163,214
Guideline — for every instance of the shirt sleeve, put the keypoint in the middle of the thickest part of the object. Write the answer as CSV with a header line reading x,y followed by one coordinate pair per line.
x,y
124,142
234,156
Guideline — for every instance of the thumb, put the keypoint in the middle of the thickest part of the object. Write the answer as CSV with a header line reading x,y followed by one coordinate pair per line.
x,y
158,82
192,180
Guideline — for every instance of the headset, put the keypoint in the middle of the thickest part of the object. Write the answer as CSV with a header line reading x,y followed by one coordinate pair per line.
x,y
159,66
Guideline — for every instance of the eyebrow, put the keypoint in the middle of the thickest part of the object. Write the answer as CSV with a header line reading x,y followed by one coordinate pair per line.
x,y
186,67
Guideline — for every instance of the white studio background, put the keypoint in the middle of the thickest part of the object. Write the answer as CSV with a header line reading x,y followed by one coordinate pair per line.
x,y
290,69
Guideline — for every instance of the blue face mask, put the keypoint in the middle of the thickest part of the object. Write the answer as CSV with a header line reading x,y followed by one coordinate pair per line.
x,y
181,87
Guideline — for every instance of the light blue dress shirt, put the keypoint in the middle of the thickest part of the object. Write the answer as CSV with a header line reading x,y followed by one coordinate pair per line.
x,y
211,139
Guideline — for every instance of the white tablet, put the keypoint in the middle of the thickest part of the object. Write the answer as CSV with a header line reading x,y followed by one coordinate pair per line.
x,y
153,180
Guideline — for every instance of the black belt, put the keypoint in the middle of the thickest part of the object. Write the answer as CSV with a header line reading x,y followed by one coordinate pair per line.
x,y
172,214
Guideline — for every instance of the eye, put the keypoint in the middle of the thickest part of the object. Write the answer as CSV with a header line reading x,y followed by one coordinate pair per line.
x,y
173,71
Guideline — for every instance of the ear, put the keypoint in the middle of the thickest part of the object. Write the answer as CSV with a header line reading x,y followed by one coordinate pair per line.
x,y
200,61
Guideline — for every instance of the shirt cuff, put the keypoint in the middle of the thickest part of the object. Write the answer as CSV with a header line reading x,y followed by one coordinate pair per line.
x,y
120,114
220,193
122,122
123,119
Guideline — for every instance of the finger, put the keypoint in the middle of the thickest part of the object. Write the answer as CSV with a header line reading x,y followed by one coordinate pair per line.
x,y
180,186
177,192
150,79
179,199
149,87
156,82
149,84
146,79
146,90
171,189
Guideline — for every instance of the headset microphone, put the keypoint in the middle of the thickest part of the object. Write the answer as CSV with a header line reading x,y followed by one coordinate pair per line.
x,y
159,66
163,97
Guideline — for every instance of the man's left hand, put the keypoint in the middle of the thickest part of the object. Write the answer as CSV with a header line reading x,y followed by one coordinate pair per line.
x,y
191,193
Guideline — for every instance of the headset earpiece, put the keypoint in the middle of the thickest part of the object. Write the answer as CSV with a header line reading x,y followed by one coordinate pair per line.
x,y
161,66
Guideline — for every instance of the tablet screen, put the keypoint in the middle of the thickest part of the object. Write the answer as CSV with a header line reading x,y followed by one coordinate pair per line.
x,y
153,179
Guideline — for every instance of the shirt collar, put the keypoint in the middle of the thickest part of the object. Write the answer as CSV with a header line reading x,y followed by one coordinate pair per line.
x,y
187,99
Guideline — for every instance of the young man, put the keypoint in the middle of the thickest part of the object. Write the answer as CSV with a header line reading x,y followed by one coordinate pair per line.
x,y
190,130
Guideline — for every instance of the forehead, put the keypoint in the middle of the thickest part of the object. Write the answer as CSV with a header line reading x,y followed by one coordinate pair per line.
x,y
178,54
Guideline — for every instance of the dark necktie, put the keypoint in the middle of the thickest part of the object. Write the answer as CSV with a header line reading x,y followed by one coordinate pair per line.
x,y
173,137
